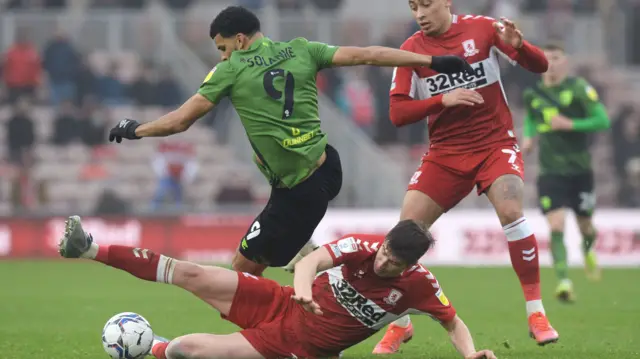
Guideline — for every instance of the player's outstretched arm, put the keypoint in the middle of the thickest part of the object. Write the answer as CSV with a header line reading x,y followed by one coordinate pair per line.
x,y
174,122
178,120
462,340
386,56
304,274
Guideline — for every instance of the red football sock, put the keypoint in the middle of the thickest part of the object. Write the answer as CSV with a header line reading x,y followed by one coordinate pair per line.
x,y
141,263
523,249
159,350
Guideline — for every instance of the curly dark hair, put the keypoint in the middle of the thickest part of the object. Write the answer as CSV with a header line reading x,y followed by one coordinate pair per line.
x,y
234,20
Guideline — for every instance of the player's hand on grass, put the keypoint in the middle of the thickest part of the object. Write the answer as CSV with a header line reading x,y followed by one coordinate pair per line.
x,y
462,97
308,304
124,129
449,64
561,123
483,354
509,32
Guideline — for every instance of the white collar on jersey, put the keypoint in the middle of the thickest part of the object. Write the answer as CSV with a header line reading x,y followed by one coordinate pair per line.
x,y
454,19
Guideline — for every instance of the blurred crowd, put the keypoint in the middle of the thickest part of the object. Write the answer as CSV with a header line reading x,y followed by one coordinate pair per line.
x,y
83,98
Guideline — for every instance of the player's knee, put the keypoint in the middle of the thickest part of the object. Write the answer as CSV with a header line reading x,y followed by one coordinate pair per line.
x,y
241,264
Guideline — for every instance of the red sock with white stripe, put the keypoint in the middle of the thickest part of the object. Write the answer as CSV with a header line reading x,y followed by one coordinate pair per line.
x,y
141,263
523,249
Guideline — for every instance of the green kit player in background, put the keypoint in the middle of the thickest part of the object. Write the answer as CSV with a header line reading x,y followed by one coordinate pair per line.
x,y
272,86
562,111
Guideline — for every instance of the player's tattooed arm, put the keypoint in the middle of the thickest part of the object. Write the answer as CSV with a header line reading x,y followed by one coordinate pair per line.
x,y
462,340
178,120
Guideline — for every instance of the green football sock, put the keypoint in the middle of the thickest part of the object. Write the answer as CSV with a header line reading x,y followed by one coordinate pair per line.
x,y
588,240
559,254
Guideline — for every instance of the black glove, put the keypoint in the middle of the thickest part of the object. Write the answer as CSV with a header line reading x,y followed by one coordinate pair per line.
x,y
449,64
124,129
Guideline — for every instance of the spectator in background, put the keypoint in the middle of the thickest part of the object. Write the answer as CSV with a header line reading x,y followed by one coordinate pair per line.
x,y
356,99
65,125
86,81
21,68
110,89
109,203
626,147
178,4
92,123
168,91
27,193
20,132
175,166
289,5
327,5
34,4
235,190
143,91
252,4
62,62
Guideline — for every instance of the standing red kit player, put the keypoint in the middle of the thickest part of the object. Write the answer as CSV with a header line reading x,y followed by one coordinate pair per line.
x,y
472,141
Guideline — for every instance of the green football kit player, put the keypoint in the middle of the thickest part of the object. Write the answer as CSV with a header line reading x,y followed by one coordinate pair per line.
x,y
562,112
272,86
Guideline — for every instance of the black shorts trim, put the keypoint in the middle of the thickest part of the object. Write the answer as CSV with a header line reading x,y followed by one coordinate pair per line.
x,y
291,215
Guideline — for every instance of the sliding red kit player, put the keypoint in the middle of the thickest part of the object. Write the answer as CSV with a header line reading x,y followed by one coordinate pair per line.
x,y
472,140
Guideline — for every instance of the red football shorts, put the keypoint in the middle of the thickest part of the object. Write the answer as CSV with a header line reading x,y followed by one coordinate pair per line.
x,y
448,178
264,310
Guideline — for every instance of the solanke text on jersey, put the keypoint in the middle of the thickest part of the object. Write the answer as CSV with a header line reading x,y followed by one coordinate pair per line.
x,y
284,54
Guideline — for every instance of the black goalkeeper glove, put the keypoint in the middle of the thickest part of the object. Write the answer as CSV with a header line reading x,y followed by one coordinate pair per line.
x,y
124,129
449,64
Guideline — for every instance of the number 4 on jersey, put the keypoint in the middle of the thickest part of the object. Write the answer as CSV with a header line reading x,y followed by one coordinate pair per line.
x,y
289,85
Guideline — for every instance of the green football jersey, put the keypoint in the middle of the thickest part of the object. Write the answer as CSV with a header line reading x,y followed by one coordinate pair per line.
x,y
272,86
561,152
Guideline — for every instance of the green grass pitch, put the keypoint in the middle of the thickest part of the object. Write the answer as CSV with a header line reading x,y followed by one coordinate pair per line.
x,y
56,310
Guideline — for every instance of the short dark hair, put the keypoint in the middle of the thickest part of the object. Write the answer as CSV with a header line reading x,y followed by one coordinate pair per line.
x,y
554,46
409,240
234,20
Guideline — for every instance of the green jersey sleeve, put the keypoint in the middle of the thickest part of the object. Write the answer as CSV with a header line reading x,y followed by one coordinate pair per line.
x,y
218,82
597,118
321,53
586,92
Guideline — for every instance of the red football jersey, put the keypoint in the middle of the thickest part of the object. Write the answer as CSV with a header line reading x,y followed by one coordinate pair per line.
x,y
356,302
463,128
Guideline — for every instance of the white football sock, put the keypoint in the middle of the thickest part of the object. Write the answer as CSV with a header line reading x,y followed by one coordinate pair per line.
x,y
534,306
92,252
166,266
403,322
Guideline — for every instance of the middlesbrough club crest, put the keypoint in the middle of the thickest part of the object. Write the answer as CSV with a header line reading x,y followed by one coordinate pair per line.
x,y
394,297
469,47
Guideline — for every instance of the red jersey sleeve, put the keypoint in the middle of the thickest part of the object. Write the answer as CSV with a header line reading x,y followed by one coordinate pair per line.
x,y
528,56
430,299
353,247
405,105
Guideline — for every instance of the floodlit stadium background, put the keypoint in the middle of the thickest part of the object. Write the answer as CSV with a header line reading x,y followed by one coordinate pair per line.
x,y
144,59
